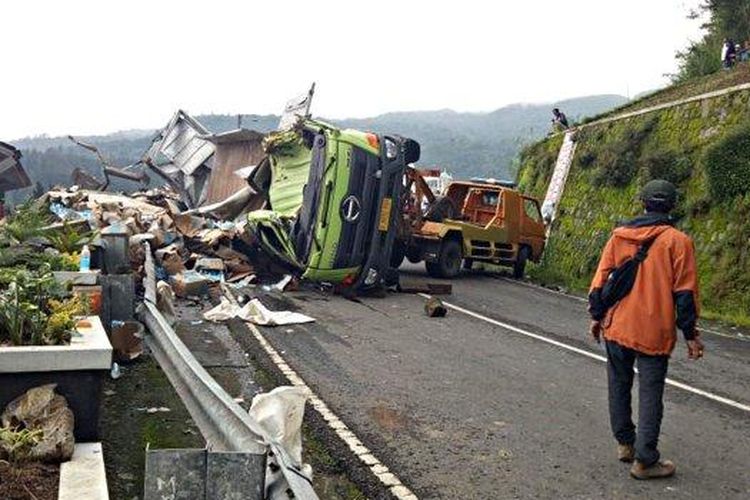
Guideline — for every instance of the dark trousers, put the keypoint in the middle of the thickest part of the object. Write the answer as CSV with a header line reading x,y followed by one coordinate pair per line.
x,y
652,371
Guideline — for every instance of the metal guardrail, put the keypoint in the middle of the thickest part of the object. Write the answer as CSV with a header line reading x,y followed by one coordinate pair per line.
x,y
224,423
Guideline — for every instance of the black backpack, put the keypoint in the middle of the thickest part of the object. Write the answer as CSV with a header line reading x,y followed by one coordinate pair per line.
x,y
622,278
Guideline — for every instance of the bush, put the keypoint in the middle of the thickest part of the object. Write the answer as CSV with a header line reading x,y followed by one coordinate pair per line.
x,y
586,159
617,162
727,164
33,310
667,165
617,166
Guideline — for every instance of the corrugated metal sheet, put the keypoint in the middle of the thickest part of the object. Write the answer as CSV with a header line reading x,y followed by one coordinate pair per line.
x,y
182,144
234,150
12,174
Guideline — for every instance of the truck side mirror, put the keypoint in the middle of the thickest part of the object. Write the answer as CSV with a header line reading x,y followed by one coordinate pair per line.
x,y
412,151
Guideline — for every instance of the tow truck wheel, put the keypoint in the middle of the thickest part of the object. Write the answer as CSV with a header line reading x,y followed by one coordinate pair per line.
x,y
397,254
448,264
519,268
414,255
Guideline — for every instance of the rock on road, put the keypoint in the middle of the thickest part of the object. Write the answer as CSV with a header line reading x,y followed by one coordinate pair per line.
x,y
457,407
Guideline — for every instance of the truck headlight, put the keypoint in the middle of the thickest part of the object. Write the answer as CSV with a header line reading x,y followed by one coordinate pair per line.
x,y
391,149
372,277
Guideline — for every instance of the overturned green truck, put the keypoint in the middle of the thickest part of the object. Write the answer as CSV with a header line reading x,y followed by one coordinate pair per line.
x,y
331,216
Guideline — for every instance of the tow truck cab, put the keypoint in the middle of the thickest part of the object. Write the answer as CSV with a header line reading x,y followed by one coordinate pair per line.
x,y
330,194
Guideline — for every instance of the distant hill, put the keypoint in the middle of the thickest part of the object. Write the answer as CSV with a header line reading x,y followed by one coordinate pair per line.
x,y
466,144
481,144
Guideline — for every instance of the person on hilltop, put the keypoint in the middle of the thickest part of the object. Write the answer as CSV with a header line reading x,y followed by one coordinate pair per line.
x,y
644,288
559,120
728,53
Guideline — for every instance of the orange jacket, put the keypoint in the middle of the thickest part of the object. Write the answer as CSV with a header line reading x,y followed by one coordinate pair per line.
x,y
665,293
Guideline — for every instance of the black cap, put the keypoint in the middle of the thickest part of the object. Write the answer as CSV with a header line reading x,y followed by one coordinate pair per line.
x,y
659,190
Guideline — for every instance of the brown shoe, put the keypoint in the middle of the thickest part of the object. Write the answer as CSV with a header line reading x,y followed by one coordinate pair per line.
x,y
662,468
625,453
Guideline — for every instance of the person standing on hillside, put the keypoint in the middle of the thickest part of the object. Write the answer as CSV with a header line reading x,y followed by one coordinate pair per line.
x,y
641,328
559,120
728,53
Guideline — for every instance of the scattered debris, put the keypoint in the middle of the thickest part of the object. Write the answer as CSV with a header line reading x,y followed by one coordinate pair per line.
x,y
188,157
42,411
282,284
127,340
169,258
12,174
189,284
254,312
434,308
210,267
115,371
280,413
159,409
428,288
107,170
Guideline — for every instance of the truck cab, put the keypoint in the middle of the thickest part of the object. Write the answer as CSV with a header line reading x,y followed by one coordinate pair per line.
x,y
478,221
331,214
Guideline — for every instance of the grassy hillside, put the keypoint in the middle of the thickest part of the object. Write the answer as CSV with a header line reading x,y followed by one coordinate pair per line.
x,y
720,80
704,147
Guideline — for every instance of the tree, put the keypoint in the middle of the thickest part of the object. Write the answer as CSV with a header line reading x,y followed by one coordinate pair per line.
x,y
727,19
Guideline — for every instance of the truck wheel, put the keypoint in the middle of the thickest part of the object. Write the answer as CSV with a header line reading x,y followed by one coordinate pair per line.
x,y
414,255
519,267
468,263
397,254
448,264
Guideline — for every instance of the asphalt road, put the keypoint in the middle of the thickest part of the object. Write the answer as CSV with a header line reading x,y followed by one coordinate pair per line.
x,y
461,408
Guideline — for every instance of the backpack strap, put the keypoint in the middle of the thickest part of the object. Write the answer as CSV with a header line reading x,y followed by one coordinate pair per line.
x,y
642,252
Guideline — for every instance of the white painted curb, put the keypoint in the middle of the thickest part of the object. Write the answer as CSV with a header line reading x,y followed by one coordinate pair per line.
x,y
84,475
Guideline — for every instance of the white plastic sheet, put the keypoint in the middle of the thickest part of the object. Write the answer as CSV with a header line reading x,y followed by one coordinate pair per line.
x,y
255,312
280,414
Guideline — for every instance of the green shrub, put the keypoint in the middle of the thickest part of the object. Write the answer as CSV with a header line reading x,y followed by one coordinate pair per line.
x,y
586,159
25,223
617,166
727,164
33,310
617,162
667,165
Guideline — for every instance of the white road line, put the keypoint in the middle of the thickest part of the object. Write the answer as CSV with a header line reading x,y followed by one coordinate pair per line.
x,y
381,472
589,354
582,299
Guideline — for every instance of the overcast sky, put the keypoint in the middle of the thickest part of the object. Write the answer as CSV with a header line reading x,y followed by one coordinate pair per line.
x,y
93,67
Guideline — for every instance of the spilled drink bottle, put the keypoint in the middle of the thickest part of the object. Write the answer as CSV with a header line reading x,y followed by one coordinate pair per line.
x,y
85,264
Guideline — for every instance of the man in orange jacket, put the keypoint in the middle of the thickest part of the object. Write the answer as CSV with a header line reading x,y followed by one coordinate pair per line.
x,y
641,327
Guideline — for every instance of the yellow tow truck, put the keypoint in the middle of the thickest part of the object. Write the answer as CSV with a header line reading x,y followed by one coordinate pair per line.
x,y
482,220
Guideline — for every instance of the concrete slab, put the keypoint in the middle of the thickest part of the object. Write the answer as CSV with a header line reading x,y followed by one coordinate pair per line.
x,y
88,350
84,475
77,278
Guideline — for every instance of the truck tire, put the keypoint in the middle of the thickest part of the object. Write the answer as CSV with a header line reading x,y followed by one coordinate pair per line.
x,y
519,267
397,254
414,255
448,264
468,263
